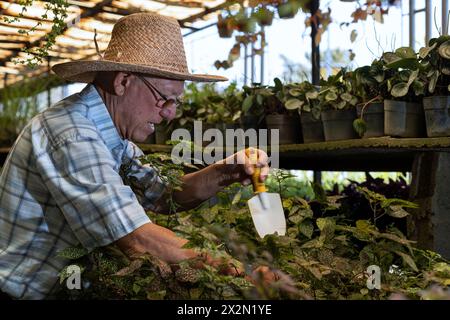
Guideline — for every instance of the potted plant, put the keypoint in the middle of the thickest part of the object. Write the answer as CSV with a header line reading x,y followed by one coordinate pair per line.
x,y
278,117
288,9
338,108
370,86
253,104
435,65
243,22
403,104
304,97
263,16
225,26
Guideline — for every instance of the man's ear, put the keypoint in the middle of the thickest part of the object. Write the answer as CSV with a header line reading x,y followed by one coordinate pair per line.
x,y
121,83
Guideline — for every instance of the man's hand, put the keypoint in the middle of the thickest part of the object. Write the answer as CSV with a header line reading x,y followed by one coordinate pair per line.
x,y
203,184
239,168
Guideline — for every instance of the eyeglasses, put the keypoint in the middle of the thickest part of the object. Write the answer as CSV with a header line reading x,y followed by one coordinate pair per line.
x,y
177,101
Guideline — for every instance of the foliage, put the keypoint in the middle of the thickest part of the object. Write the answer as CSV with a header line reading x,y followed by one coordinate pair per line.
x,y
303,97
336,92
19,103
435,65
324,255
58,8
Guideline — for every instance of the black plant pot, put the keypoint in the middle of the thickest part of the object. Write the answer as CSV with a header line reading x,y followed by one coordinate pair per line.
x,y
338,124
249,122
312,128
374,117
437,115
403,119
288,126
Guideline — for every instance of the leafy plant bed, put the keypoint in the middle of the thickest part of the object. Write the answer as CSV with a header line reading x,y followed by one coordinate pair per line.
x,y
324,255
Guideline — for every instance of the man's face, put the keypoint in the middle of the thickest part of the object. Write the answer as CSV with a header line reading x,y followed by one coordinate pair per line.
x,y
150,101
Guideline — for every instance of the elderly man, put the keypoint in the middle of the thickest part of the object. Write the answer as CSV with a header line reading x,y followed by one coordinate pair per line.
x,y
60,185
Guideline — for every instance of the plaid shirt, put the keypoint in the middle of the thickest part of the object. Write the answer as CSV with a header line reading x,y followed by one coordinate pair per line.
x,y
60,187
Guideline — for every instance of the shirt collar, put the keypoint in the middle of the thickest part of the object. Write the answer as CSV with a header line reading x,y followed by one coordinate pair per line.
x,y
98,113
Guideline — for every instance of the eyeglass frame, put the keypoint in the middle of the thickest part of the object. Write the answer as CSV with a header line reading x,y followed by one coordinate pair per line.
x,y
177,101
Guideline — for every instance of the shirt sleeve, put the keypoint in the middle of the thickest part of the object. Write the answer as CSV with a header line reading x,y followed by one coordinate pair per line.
x,y
100,209
142,178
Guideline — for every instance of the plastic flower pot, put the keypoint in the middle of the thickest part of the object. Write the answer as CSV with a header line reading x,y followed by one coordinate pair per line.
x,y
373,116
288,126
403,119
437,115
249,122
338,124
312,128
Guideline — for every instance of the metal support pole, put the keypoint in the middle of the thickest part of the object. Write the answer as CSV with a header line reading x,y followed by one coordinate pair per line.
x,y
262,56
315,50
428,20
245,64
252,63
315,67
445,8
49,95
412,24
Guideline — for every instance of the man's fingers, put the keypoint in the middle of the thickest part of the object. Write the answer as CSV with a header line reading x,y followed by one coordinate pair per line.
x,y
264,173
263,159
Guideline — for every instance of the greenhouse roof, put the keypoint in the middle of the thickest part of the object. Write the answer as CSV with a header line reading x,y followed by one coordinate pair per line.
x,y
85,17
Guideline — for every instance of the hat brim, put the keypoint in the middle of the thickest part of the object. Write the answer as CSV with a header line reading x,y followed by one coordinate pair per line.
x,y
85,71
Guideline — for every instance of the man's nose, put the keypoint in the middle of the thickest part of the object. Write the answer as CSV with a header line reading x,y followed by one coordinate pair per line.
x,y
168,112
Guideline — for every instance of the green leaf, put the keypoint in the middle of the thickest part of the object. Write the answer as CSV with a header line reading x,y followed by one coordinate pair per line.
x,y
295,92
444,50
400,89
247,104
397,212
360,126
433,81
405,53
423,52
331,96
293,104
278,84
72,253
353,35
346,96
408,260
306,228
312,95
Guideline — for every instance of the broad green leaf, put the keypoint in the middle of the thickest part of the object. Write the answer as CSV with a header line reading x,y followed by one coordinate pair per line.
x,y
433,81
444,50
390,57
353,35
423,52
400,89
360,126
293,104
306,228
295,92
312,95
397,212
331,96
346,96
408,260
247,104
260,99
278,84
72,253
405,53
236,198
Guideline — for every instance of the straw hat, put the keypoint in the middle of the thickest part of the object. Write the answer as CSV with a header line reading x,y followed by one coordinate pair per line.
x,y
145,43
